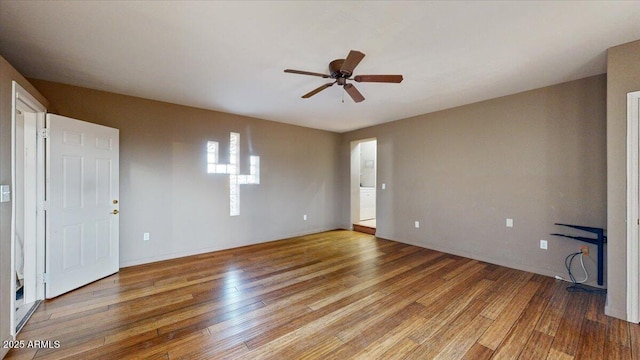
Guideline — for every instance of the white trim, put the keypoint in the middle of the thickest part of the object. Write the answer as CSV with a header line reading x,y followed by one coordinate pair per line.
x,y
633,206
616,313
20,95
41,236
12,313
475,256
205,250
354,179
354,183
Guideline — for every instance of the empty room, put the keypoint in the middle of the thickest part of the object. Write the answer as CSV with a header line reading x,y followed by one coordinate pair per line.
x,y
320,179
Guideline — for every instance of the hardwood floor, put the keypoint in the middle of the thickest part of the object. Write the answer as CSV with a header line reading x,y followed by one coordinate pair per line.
x,y
333,295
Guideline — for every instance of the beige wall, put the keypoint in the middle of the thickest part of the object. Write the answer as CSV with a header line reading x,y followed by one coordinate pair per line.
x,y
165,190
623,76
7,75
537,157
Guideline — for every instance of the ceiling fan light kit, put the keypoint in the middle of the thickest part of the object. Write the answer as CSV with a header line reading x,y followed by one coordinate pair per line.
x,y
341,70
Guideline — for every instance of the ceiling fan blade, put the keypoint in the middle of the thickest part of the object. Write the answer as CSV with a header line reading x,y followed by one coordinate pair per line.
x,y
350,63
317,90
353,92
379,78
306,73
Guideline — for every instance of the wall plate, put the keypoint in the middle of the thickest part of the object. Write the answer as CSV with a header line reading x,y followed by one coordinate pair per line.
x,y
5,193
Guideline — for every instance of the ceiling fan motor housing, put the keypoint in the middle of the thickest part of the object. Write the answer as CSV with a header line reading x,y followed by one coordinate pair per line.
x,y
334,69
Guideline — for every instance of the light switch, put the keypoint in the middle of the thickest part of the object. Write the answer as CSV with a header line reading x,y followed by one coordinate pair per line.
x,y
509,222
5,193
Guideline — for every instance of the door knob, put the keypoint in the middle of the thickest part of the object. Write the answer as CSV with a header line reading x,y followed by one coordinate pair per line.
x,y
115,201
115,212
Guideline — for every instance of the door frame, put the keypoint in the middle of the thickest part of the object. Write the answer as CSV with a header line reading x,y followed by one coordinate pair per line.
x,y
22,98
633,207
354,179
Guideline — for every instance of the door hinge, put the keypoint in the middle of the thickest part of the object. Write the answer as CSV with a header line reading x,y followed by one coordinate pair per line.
x,y
45,278
44,206
44,133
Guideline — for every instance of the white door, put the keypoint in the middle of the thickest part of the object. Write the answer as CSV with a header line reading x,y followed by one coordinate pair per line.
x,y
82,201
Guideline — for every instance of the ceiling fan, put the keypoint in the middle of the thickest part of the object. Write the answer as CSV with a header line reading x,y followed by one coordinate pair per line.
x,y
341,70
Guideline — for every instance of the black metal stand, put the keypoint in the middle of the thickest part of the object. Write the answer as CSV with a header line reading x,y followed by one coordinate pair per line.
x,y
600,240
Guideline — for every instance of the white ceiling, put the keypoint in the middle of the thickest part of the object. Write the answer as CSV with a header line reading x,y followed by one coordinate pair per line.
x,y
230,56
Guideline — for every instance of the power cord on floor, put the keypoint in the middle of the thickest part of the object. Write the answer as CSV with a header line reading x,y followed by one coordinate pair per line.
x,y
577,285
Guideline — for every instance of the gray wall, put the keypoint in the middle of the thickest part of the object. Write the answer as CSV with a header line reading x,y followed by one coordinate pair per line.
x,y
623,76
165,190
7,75
537,157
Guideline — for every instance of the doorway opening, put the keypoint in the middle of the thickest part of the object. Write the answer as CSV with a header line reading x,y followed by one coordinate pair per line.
x,y
363,185
69,237
28,224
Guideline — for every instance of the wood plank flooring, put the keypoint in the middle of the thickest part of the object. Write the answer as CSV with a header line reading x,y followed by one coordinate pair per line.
x,y
333,295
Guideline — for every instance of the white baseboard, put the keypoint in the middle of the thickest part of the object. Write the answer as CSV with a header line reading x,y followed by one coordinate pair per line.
x,y
470,255
3,350
175,255
616,313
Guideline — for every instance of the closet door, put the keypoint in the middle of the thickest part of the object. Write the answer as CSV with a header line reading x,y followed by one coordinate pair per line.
x,y
82,199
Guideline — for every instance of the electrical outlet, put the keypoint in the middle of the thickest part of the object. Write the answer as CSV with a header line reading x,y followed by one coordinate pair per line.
x,y
509,222
417,224
544,245
145,237
384,186
585,250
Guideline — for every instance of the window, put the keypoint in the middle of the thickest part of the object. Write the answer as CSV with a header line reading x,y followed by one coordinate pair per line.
x,y
233,169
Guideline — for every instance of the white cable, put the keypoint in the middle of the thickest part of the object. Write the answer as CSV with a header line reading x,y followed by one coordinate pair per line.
x,y
586,275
